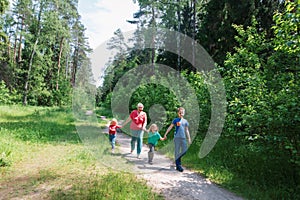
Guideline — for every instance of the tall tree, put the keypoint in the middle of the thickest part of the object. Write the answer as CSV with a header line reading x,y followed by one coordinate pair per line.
x,y
4,43
37,32
48,44
3,6
216,33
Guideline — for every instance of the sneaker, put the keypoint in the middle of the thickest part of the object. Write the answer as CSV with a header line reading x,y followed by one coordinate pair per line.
x,y
138,156
131,151
150,162
179,168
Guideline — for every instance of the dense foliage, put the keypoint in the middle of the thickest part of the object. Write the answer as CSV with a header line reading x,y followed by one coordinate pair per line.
x,y
256,49
43,49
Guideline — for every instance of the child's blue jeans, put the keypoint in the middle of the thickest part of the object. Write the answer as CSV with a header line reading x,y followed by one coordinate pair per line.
x,y
112,139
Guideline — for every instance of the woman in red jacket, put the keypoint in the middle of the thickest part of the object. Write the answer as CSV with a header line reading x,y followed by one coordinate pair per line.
x,y
138,123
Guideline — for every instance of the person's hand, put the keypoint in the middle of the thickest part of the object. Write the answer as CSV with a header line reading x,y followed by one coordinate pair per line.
x,y
190,141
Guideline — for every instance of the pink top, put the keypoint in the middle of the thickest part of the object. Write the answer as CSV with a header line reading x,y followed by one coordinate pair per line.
x,y
137,120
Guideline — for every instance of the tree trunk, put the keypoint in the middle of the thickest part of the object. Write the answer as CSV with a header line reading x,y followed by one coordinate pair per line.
x,y
59,59
153,36
178,37
20,42
15,49
27,78
29,73
74,66
194,32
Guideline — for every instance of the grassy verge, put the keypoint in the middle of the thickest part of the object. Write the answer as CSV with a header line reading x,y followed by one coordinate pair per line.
x,y
42,157
245,170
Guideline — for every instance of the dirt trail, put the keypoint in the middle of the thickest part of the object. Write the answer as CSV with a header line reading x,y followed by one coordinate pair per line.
x,y
163,177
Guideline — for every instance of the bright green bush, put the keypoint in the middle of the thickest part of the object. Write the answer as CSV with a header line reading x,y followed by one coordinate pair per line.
x,y
4,94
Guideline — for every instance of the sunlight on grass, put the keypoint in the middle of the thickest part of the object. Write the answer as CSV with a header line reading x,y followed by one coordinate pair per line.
x,y
110,186
43,156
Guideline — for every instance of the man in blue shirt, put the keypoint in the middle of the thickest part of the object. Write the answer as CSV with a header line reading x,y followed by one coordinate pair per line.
x,y
180,135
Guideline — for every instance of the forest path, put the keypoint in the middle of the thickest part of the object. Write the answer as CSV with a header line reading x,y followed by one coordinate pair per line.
x,y
166,180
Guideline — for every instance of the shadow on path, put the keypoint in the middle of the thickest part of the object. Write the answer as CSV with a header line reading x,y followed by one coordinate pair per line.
x,y
163,177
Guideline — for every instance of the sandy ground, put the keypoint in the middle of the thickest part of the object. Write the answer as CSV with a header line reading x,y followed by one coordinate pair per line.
x,y
163,177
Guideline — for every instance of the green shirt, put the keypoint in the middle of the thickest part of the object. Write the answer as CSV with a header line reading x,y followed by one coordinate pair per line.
x,y
153,138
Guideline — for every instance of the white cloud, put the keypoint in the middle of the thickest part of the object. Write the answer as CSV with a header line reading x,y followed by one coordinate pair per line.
x,y
103,17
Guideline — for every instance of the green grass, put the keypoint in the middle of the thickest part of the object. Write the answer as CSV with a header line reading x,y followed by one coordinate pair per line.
x,y
244,170
109,186
42,157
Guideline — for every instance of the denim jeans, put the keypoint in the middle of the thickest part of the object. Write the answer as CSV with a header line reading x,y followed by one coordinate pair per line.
x,y
137,135
112,139
180,149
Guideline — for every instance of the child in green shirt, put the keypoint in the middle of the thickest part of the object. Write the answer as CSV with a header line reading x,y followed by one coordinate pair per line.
x,y
153,137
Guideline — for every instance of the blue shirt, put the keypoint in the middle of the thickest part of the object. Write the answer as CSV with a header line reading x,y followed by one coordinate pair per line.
x,y
180,126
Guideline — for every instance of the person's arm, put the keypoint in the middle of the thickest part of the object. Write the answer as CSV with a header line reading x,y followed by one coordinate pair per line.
x,y
144,129
127,120
145,122
159,137
168,130
187,132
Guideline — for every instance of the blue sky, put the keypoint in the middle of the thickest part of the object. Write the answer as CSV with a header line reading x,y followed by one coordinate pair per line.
x,y
102,17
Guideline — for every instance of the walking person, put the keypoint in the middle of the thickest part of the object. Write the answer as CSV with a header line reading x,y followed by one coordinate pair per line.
x,y
112,131
138,124
180,135
153,137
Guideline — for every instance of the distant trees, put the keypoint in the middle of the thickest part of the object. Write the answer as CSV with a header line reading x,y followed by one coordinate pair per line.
x,y
46,46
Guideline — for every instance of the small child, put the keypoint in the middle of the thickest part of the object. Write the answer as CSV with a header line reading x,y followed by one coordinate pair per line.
x,y
153,137
113,132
